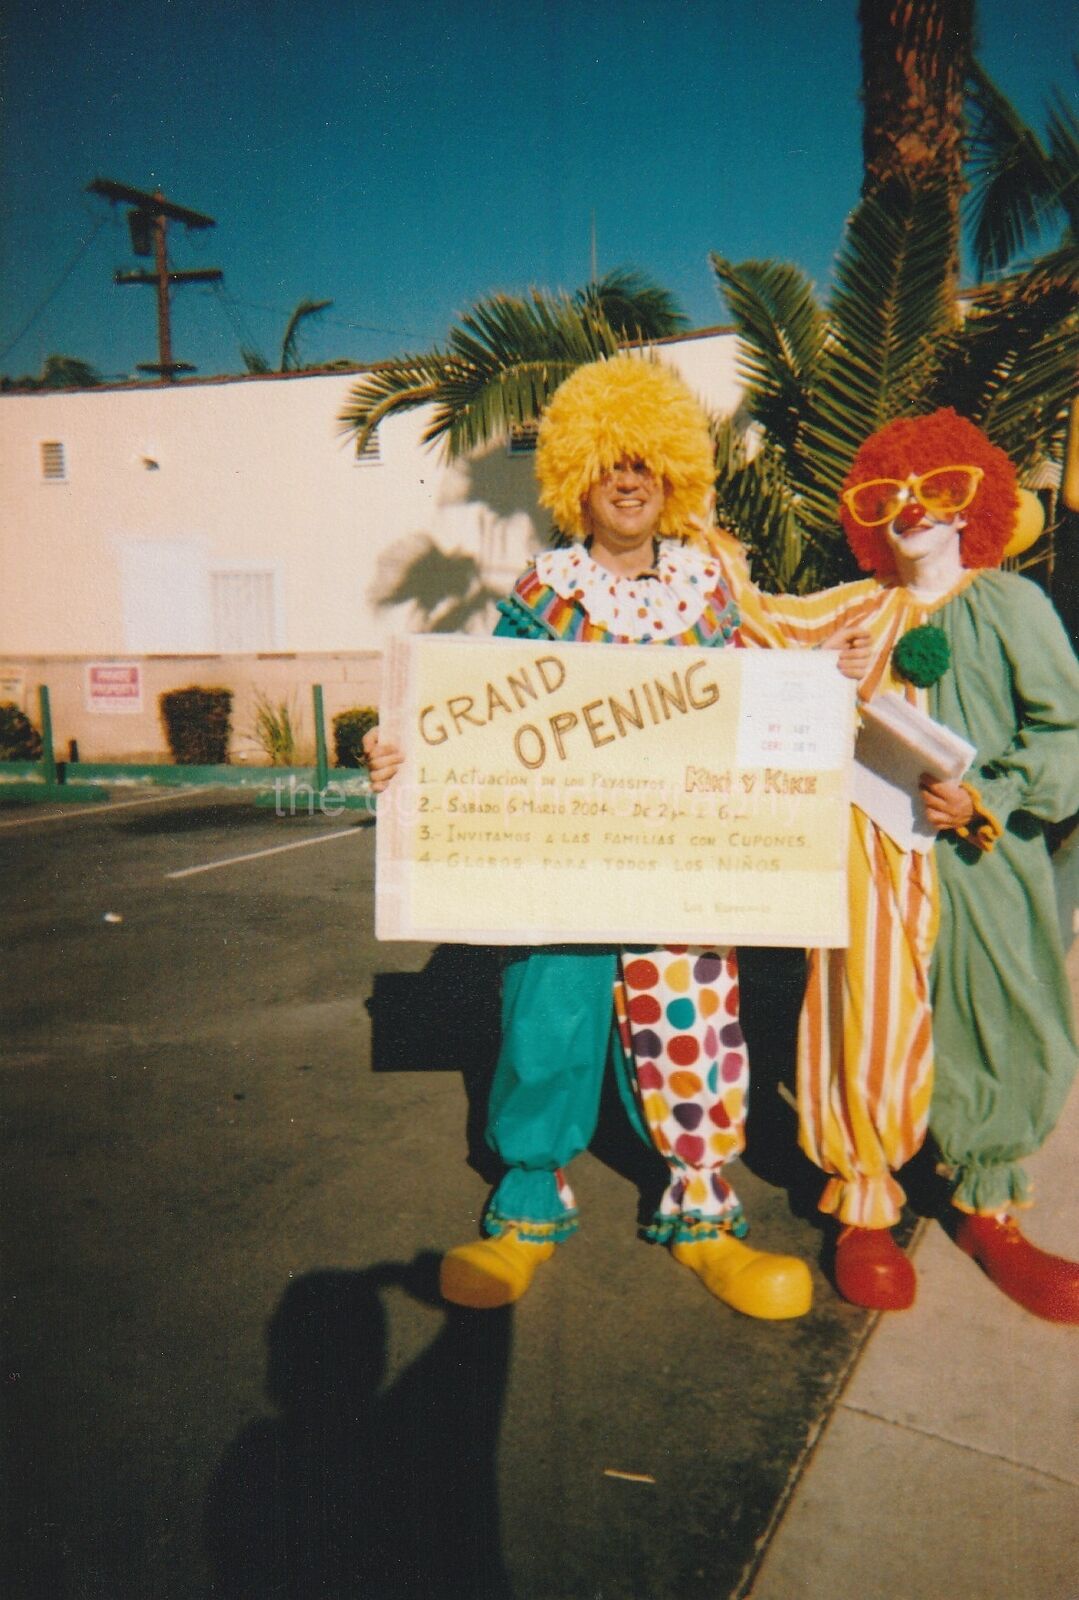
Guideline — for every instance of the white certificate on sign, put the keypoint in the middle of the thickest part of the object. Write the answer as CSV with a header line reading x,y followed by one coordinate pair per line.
x,y
573,793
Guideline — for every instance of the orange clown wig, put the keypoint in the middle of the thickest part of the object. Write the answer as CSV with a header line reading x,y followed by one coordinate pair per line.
x,y
625,407
913,445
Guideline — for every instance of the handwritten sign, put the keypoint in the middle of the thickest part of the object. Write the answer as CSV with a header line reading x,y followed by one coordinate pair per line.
x,y
613,794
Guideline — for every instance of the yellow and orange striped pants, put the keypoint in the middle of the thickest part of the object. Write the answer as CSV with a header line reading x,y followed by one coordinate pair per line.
x,y
865,1042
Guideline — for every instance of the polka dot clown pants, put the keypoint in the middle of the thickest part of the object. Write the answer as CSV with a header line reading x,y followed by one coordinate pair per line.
x,y
682,1070
677,1011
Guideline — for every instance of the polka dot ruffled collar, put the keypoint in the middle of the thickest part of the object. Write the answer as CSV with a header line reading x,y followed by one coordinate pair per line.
x,y
657,607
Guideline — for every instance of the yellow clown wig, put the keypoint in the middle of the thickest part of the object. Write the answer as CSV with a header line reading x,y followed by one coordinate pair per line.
x,y
624,407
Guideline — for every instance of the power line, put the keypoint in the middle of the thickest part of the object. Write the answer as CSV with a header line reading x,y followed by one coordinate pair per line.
x,y
183,247
338,322
55,290
231,312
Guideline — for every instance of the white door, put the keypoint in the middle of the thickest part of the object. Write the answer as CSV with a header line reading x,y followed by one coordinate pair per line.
x,y
165,597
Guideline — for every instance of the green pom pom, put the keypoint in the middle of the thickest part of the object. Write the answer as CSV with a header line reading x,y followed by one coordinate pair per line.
x,y
922,656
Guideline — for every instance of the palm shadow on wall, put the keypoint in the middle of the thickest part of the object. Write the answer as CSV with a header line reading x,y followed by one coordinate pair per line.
x,y
445,588
354,1490
505,493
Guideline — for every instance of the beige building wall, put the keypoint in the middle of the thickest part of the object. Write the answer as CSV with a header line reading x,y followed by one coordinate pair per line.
x,y
172,494
231,517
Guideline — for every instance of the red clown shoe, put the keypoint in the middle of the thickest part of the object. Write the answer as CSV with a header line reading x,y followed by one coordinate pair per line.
x,y
872,1271
1045,1284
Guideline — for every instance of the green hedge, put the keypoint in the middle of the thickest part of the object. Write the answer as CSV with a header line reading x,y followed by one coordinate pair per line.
x,y
19,739
349,728
197,724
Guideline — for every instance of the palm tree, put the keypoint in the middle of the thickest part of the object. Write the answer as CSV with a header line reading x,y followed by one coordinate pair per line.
x,y
1024,190
820,379
289,360
915,56
507,356
57,372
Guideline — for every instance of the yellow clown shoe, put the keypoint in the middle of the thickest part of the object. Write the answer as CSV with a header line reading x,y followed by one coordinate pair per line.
x,y
490,1272
759,1285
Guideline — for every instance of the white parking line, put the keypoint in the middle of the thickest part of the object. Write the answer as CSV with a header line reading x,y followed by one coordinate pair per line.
x,y
275,850
94,808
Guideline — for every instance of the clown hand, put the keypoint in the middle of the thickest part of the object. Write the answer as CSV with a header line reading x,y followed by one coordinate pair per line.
x,y
947,805
383,759
855,650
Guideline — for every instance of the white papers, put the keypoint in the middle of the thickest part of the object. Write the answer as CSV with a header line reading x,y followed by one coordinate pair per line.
x,y
788,716
896,744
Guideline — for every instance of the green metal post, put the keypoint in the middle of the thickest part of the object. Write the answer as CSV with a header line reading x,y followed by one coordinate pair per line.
x,y
322,765
48,758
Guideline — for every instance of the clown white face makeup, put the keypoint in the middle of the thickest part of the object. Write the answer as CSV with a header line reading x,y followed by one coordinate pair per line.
x,y
927,552
621,514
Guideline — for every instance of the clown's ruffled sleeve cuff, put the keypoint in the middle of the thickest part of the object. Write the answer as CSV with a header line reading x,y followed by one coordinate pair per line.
x,y
984,829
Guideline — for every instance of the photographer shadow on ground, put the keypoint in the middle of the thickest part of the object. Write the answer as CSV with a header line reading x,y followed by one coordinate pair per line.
x,y
772,984
355,1490
445,1018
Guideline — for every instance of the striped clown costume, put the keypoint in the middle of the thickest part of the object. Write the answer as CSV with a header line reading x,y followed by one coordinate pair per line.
x,y
950,1010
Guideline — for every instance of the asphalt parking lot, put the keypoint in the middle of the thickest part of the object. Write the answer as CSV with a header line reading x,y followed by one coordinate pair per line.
x,y
238,1136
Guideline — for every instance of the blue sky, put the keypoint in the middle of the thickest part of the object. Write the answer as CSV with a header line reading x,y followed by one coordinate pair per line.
x,y
403,159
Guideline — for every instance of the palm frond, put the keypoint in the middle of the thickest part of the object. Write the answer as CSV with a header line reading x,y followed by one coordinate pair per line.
x,y
1011,366
633,305
756,500
290,357
506,359
781,330
1011,176
1062,136
1059,269
888,313
1029,401
399,385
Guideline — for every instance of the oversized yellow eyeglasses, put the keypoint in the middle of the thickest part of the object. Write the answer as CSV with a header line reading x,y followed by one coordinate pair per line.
x,y
942,493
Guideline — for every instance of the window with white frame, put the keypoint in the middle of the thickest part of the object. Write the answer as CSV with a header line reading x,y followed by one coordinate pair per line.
x,y
369,454
53,464
522,440
243,609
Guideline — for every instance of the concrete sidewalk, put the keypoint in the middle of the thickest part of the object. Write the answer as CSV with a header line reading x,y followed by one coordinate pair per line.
x,y
950,1465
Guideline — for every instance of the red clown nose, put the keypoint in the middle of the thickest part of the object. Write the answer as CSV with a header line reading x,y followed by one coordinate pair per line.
x,y
908,516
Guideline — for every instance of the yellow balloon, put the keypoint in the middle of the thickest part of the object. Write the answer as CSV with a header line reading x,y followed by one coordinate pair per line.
x,y
1029,522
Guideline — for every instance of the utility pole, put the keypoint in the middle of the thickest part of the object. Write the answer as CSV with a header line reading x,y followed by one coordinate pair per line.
x,y
148,223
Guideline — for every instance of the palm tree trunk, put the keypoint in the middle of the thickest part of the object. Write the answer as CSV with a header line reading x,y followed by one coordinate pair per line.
x,y
915,57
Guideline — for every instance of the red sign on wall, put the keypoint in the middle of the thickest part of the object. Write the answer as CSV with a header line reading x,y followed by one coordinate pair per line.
x,y
114,686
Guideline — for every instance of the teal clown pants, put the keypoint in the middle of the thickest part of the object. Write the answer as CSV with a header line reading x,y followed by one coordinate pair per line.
x,y
667,1021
